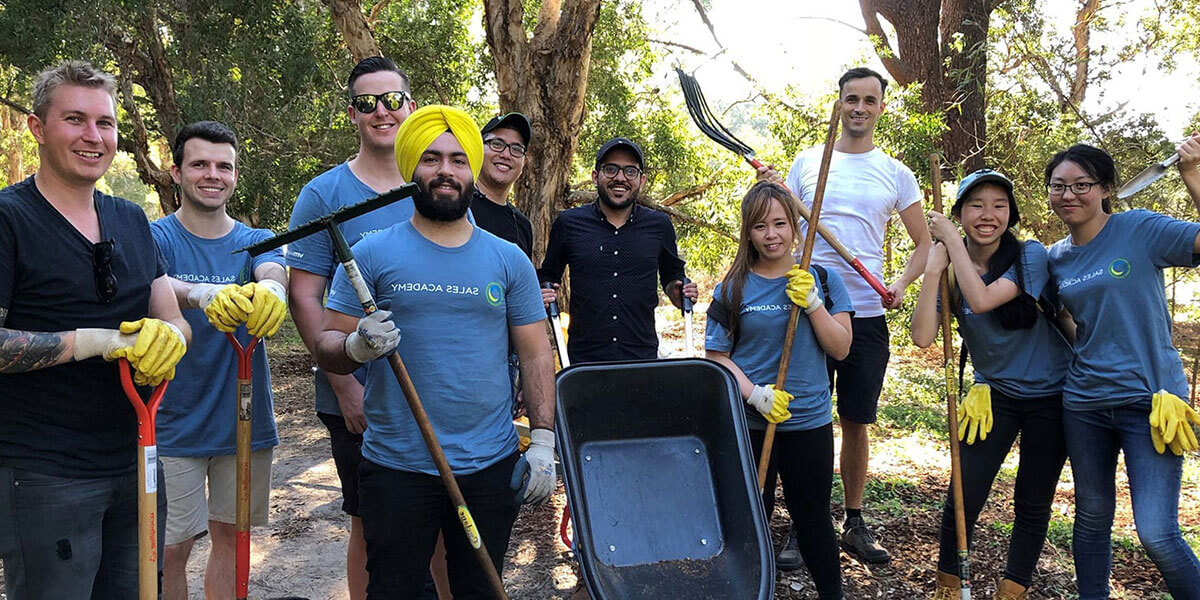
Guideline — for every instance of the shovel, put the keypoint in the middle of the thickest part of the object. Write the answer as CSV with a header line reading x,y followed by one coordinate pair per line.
x,y
560,338
245,394
1148,176
147,465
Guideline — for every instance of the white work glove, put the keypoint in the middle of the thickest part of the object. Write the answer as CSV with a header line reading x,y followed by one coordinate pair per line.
x,y
375,336
771,403
538,461
226,306
90,343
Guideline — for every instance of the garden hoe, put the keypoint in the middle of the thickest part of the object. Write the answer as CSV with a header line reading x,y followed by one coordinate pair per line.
x,y
330,223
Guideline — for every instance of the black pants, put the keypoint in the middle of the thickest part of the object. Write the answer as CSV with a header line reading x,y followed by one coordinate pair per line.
x,y
804,460
403,512
1043,452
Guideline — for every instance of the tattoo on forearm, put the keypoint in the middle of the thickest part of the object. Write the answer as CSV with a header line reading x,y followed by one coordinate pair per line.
x,y
22,351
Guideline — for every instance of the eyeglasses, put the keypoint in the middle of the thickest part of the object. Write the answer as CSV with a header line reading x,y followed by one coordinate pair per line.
x,y
610,170
106,282
1078,188
498,146
366,103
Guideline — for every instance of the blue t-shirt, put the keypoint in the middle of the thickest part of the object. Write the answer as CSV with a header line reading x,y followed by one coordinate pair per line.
x,y
1020,363
764,315
327,192
453,307
199,411
1113,286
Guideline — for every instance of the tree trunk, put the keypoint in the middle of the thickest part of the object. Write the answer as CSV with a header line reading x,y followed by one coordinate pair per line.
x,y
545,77
349,19
930,34
13,126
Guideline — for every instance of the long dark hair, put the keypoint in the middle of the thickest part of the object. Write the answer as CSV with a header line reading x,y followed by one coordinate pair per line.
x,y
1020,312
754,209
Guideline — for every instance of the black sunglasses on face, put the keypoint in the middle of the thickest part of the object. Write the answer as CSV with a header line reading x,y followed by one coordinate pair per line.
x,y
365,103
106,282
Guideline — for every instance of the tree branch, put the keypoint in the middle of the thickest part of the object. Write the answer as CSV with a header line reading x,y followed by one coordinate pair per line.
x,y
1083,52
17,107
899,71
677,45
838,21
580,197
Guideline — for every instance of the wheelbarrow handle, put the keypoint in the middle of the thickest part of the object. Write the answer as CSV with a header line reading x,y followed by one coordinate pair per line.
x,y
147,466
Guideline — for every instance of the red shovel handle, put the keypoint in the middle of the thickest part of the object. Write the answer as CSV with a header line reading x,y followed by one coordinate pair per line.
x,y
146,410
243,354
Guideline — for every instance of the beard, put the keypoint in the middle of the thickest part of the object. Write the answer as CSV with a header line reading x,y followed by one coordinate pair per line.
x,y
438,209
607,200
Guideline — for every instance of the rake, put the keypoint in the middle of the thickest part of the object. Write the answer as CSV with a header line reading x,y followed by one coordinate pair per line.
x,y
709,125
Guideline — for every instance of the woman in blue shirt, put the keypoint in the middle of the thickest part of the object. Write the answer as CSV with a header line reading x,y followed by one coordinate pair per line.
x,y
1020,361
1123,390
745,332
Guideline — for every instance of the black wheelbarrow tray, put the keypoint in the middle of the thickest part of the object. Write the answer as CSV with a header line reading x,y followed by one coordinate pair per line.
x,y
660,479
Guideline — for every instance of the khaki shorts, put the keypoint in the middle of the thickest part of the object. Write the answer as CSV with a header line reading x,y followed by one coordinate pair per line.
x,y
187,513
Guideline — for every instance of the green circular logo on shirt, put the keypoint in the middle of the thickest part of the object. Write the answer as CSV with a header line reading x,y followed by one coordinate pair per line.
x,y
1119,268
494,292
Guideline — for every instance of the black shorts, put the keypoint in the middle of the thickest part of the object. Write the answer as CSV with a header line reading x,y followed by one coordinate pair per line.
x,y
857,380
347,454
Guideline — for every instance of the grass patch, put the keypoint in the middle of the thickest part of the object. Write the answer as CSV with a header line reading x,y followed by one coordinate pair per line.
x,y
895,496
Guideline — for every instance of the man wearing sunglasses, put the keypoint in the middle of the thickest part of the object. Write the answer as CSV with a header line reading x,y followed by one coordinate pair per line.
x,y
79,280
219,290
379,101
615,248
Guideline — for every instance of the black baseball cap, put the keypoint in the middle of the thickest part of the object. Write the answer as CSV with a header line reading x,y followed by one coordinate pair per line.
x,y
513,120
620,142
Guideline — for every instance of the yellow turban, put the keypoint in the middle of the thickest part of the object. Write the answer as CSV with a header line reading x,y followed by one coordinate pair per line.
x,y
425,125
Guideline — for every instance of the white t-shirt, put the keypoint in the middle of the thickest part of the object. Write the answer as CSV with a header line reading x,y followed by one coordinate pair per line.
x,y
862,192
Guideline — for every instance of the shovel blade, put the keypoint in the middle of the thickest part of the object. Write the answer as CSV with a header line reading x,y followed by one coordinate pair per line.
x,y
1148,176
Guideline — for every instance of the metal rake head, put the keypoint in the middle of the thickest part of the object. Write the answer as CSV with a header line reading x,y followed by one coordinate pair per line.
x,y
704,118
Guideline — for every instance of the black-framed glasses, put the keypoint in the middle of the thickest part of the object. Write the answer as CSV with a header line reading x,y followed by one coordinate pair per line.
x,y
106,282
366,103
1078,188
610,170
498,146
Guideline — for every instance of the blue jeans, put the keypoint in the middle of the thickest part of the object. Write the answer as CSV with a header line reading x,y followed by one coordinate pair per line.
x,y
62,537
1094,438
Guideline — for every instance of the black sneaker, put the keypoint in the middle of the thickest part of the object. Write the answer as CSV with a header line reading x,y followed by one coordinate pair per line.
x,y
858,541
789,558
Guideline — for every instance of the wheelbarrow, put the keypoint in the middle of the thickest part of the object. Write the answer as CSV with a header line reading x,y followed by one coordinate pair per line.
x,y
660,477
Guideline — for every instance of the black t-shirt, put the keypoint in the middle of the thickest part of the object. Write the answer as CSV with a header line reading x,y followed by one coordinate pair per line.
x,y
71,420
505,222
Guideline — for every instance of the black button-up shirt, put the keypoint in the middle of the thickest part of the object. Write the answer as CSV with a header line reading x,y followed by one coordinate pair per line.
x,y
613,287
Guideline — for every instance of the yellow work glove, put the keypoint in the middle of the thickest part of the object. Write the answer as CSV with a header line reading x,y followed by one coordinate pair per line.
x,y
155,352
270,307
802,289
771,403
226,306
1171,422
975,413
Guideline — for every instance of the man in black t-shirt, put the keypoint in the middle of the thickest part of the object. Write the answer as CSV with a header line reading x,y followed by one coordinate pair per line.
x,y
80,279
505,140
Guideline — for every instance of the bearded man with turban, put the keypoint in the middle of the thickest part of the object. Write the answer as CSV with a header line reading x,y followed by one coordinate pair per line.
x,y
460,296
